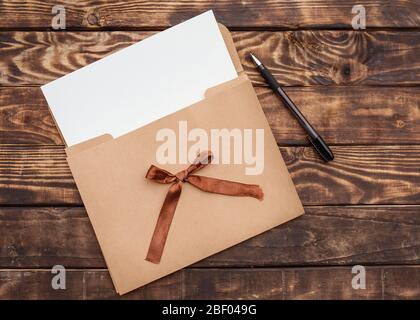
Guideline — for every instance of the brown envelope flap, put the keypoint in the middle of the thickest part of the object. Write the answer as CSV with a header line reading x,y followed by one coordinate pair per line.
x,y
231,48
88,144
226,85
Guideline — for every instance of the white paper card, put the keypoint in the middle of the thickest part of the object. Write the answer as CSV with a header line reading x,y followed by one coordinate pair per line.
x,y
141,83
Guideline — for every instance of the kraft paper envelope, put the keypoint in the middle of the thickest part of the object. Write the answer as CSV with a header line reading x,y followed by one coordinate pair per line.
x,y
123,205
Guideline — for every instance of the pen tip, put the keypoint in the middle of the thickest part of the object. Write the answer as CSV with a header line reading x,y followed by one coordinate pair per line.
x,y
255,60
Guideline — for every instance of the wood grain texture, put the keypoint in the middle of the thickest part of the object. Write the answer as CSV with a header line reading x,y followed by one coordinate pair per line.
x,y
333,57
358,175
299,58
402,283
25,118
343,115
80,284
234,13
275,284
359,89
36,175
323,236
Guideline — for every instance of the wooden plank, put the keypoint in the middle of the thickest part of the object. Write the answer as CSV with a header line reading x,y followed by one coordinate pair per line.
x,y
293,283
304,58
358,175
25,118
331,283
80,284
253,13
300,58
402,283
323,236
36,175
344,115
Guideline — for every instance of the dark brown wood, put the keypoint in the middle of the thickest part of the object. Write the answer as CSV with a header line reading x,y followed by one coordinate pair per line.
x,y
359,89
36,175
25,117
402,283
293,283
333,283
298,58
235,13
80,284
305,58
358,175
323,236
344,115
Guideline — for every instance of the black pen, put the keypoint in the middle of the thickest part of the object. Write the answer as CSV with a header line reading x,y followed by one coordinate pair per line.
x,y
313,136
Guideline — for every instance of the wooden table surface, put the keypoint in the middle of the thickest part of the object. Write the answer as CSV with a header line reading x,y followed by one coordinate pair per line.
x,y
360,89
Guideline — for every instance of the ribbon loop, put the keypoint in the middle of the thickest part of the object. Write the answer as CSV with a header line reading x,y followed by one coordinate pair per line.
x,y
207,184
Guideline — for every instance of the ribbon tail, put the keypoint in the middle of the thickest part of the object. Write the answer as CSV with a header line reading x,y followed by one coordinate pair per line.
x,y
225,187
163,224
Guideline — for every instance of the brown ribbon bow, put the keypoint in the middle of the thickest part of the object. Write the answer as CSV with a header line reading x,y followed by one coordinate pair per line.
x,y
207,184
